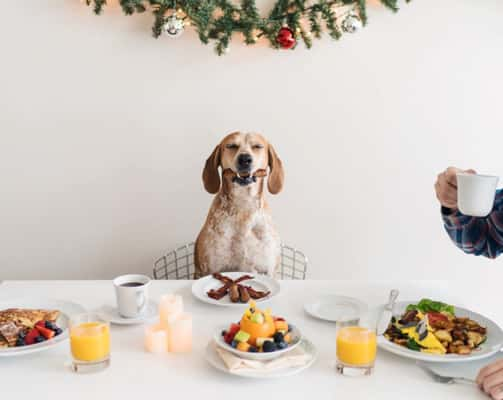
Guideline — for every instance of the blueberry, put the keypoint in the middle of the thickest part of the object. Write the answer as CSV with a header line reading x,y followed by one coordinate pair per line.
x,y
234,344
50,325
253,349
20,342
278,337
224,332
282,345
269,347
58,331
22,334
39,339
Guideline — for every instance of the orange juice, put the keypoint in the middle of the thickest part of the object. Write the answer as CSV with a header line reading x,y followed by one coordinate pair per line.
x,y
90,341
356,346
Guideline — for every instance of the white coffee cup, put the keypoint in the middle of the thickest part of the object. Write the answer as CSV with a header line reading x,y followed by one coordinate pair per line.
x,y
132,294
476,193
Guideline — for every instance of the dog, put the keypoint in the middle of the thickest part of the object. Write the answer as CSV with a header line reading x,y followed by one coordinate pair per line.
x,y
239,234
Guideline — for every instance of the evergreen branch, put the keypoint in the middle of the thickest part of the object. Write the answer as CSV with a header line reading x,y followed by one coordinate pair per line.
x,y
218,20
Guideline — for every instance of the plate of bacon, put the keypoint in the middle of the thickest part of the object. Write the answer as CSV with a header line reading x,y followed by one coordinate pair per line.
x,y
234,288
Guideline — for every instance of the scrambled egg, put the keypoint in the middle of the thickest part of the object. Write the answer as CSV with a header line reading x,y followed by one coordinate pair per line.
x,y
430,343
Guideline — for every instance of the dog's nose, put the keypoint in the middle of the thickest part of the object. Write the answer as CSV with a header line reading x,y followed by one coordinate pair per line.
x,y
244,161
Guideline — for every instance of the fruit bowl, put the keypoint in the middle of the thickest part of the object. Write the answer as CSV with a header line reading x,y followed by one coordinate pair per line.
x,y
258,336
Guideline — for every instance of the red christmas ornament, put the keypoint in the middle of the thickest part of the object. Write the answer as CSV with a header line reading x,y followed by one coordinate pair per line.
x,y
286,38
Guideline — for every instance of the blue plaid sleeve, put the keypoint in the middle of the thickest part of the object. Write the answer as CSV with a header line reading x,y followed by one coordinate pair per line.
x,y
478,236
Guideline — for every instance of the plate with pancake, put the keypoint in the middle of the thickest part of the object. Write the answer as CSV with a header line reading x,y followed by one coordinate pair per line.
x,y
29,325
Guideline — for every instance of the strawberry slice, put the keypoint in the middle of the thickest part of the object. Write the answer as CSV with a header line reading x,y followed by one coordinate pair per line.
x,y
30,337
47,333
40,323
229,337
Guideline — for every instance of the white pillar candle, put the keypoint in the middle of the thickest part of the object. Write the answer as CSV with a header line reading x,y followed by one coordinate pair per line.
x,y
180,334
156,339
170,308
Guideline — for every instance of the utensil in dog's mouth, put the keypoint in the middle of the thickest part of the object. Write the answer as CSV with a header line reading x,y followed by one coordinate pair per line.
x,y
244,179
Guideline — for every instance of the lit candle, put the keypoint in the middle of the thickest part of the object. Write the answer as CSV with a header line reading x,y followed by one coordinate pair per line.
x,y
180,334
156,340
170,308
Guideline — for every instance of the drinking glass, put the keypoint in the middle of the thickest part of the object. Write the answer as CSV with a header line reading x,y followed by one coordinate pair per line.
x,y
89,343
356,350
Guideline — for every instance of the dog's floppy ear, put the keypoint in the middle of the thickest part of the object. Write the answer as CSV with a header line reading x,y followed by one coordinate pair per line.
x,y
276,175
211,176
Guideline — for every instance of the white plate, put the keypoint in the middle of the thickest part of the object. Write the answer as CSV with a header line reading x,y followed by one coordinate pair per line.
x,y
493,344
335,308
67,309
111,314
260,282
296,339
214,359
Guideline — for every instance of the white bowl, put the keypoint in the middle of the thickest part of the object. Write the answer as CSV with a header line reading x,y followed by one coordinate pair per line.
x,y
219,340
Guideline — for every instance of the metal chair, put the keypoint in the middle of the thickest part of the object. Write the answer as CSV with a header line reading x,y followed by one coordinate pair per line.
x,y
179,264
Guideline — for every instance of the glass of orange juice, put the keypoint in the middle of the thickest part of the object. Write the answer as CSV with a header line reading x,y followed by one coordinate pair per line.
x,y
356,350
89,343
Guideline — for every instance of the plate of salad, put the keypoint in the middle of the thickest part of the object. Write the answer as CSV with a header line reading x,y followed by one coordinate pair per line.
x,y
434,331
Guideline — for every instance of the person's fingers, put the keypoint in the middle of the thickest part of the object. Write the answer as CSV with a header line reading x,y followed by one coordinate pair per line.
x,y
496,393
489,370
470,171
450,176
493,381
446,194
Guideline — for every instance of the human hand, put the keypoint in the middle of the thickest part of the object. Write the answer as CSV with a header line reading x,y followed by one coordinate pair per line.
x,y
490,380
446,187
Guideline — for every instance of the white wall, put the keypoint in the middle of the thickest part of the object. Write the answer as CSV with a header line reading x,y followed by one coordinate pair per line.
x,y
104,132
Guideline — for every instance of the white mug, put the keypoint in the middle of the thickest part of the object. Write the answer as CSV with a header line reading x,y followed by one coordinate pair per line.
x,y
132,294
476,193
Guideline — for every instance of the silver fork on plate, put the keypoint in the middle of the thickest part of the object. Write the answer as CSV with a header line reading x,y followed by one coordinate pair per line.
x,y
445,379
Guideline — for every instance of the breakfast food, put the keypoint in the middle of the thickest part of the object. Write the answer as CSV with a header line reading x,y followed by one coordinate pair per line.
x,y
21,326
432,327
238,293
259,331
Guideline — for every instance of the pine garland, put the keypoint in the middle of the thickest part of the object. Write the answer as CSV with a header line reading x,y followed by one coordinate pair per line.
x,y
217,20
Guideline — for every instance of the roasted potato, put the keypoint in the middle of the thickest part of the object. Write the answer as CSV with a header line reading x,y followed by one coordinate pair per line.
x,y
443,335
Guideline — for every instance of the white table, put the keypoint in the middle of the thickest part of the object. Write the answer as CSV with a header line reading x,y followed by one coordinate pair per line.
x,y
135,374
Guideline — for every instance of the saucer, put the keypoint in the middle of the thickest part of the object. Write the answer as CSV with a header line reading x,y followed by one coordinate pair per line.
x,y
335,308
111,314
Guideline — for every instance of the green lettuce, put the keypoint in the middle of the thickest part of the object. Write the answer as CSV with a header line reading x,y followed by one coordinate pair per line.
x,y
427,305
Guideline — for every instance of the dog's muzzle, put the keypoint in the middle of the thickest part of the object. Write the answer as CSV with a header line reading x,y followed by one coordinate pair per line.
x,y
245,180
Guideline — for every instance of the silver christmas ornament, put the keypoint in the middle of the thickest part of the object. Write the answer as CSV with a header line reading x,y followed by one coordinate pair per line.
x,y
174,26
351,23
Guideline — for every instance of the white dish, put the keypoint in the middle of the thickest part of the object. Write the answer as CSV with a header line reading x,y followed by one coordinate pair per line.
x,y
263,283
335,308
67,310
214,359
219,340
111,314
493,344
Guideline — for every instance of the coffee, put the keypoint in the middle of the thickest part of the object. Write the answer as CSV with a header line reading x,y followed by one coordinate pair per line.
x,y
132,294
132,284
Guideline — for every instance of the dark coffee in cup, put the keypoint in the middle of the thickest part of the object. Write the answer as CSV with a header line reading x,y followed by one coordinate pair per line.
x,y
132,284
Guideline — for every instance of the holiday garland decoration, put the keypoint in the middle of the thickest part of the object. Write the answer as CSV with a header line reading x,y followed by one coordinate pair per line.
x,y
217,20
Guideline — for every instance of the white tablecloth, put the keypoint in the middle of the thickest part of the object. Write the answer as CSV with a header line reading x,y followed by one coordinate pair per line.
x,y
135,374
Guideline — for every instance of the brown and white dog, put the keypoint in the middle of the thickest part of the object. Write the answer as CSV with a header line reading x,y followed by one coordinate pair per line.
x,y
239,234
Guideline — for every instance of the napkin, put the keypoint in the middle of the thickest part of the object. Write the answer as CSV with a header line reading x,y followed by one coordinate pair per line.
x,y
294,358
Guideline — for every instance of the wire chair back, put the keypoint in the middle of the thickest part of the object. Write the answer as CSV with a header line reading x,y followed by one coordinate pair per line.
x,y
179,264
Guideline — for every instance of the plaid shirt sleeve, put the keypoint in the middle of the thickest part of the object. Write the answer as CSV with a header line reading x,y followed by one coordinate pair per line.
x,y
478,236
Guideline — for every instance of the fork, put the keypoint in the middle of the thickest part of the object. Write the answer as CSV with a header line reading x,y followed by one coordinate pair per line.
x,y
446,379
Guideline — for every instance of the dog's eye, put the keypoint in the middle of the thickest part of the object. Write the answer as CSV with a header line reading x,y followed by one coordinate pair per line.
x,y
233,146
258,146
